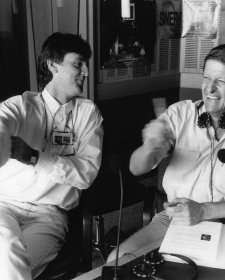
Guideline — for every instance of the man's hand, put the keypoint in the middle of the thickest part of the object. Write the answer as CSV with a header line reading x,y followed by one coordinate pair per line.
x,y
184,211
157,135
20,150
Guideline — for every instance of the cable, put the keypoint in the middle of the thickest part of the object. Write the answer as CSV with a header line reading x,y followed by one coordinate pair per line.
x,y
112,272
34,41
211,166
119,223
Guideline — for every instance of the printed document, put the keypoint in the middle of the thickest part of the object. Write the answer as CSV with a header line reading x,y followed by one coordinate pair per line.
x,y
204,243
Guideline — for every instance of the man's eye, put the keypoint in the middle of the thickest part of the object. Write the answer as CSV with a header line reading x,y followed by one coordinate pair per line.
x,y
220,82
78,65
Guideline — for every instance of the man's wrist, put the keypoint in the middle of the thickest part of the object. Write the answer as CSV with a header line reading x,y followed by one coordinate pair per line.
x,y
34,157
206,211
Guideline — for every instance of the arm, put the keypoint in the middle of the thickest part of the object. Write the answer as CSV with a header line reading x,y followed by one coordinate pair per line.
x,y
21,151
77,170
157,141
189,212
8,126
24,153
5,144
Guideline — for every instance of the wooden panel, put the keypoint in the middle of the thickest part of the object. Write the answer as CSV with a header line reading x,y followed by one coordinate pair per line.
x,y
41,21
67,15
39,27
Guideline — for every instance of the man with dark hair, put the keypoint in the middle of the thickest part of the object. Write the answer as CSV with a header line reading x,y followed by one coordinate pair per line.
x,y
193,134
51,146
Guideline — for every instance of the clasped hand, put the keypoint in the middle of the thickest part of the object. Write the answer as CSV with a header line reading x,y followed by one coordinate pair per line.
x,y
184,211
20,150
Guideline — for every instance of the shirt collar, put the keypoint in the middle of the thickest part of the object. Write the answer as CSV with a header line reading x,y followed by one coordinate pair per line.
x,y
54,105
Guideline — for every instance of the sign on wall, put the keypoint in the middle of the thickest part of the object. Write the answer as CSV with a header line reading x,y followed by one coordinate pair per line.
x,y
187,18
200,18
168,18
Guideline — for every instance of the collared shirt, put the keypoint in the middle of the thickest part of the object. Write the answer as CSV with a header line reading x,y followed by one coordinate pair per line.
x,y
194,168
62,171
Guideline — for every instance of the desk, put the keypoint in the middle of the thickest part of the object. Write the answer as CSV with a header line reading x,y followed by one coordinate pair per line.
x,y
205,273
93,274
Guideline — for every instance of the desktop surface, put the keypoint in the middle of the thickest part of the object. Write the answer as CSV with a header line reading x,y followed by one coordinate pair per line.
x,y
166,271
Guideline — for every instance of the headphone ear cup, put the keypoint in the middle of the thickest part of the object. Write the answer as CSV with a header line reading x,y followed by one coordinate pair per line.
x,y
221,121
205,119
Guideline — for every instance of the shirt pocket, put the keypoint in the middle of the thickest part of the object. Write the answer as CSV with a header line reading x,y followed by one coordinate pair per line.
x,y
69,150
65,150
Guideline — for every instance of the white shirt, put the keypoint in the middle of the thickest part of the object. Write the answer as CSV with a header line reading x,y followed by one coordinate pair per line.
x,y
62,170
195,150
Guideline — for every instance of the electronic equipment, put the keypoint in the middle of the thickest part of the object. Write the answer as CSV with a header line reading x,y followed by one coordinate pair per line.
x,y
221,155
205,119
62,138
114,272
153,266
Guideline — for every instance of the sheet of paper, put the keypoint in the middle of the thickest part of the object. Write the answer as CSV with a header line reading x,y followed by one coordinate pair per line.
x,y
198,242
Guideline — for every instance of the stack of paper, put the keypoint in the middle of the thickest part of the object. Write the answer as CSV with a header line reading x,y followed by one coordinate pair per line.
x,y
204,243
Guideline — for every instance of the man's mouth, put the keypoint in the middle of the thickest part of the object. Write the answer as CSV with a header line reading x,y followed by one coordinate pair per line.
x,y
213,98
79,82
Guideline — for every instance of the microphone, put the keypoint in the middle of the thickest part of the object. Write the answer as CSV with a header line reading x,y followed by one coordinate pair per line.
x,y
116,163
221,155
113,272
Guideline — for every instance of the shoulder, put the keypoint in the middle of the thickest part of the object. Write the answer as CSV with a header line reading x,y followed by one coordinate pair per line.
x,y
86,105
84,102
179,112
31,96
184,106
26,96
32,100
24,101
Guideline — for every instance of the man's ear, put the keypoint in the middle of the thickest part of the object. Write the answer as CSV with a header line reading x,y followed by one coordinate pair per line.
x,y
52,67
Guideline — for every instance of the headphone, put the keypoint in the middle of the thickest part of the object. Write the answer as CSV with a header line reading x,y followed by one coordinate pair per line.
x,y
153,264
204,120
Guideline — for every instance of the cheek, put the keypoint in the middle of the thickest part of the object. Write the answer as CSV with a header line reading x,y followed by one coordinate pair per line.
x,y
203,87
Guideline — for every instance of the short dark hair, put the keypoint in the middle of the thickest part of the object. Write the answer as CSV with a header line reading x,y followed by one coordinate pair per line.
x,y
55,47
217,53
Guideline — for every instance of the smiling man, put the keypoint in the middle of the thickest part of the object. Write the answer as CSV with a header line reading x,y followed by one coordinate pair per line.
x,y
51,146
192,134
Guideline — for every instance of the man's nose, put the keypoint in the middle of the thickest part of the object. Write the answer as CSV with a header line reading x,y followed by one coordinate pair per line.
x,y
211,87
84,70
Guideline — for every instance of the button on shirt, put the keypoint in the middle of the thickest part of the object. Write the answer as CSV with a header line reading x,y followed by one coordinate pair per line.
x,y
62,171
194,163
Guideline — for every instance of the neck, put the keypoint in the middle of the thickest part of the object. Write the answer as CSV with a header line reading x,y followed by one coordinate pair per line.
x,y
218,120
214,122
62,99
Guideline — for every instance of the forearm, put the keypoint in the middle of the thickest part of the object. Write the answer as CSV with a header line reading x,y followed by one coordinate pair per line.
x,y
142,161
5,144
77,170
213,210
190,212
157,141
147,157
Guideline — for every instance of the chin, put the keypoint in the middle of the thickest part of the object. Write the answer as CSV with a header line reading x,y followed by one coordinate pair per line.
x,y
77,91
212,108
